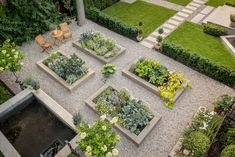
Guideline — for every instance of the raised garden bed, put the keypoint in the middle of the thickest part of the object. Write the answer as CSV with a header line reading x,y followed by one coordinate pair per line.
x,y
198,135
70,77
118,103
162,77
99,47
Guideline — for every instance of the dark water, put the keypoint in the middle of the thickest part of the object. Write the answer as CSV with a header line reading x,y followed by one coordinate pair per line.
x,y
33,129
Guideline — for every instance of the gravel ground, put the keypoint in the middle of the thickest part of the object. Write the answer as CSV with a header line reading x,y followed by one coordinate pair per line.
x,y
166,133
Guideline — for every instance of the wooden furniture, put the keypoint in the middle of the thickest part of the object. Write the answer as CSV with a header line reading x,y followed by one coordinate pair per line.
x,y
42,42
57,35
64,27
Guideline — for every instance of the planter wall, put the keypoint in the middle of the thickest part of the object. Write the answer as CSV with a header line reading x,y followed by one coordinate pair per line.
x,y
60,80
126,72
100,58
137,139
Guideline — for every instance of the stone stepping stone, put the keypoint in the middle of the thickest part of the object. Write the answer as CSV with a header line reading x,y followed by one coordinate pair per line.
x,y
198,1
194,4
174,22
187,11
191,7
178,18
198,18
151,38
182,14
169,26
207,10
147,44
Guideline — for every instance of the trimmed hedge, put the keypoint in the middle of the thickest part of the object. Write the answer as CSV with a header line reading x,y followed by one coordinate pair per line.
x,y
230,4
99,4
199,63
111,23
214,30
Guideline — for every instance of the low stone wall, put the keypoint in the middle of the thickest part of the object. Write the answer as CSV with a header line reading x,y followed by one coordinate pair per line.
x,y
128,1
57,78
137,139
100,58
227,44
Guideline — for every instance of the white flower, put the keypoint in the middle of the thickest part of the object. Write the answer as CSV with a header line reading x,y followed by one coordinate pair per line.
x,y
109,154
4,51
88,149
205,125
118,137
83,135
115,152
103,117
114,120
104,148
104,128
88,154
212,113
1,68
22,63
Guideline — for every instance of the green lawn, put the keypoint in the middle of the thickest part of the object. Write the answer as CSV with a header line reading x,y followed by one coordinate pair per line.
x,y
180,2
216,3
151,15
4,94
191,36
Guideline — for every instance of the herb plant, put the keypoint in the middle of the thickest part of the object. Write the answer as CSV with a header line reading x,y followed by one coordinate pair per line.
x,y
108,70
224,102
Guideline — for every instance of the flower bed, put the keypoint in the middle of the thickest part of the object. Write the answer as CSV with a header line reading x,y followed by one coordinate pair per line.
x,y
135,120
156,78
98,46
69,71
198,135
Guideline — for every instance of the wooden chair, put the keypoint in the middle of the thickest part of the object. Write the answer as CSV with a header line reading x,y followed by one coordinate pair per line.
x,y
41,42
64,27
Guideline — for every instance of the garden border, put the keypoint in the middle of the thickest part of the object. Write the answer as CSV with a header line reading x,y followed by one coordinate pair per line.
x,y
154,89
136,139
100,58
61,81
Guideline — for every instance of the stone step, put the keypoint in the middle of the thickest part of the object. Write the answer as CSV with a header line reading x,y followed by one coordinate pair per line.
x,y
187,11
146,44
199,1
207,10
166,30
174,22
178,18
191,7
194,4
150,38
182,14
169,26
198,18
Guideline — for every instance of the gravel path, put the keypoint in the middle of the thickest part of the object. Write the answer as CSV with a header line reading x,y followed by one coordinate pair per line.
x,y
163,137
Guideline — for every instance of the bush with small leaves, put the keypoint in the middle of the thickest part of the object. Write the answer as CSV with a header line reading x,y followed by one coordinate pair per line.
x,y
228,151
160,30
30,82
108,70
77,118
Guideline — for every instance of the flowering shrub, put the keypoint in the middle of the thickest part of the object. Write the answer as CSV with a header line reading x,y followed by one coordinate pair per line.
x,y
158,75
10,57
98,140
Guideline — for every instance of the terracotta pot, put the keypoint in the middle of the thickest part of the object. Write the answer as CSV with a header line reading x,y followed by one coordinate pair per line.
x,y
217,110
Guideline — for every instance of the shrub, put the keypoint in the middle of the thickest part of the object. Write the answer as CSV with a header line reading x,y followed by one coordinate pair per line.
x,y
99,4
228,151
77,118
10,57
214,30
159,39
230,4
30,82
199,63
98,140
160,30
230,136
224,102
232,17
111,23
136,116
108,70
197,142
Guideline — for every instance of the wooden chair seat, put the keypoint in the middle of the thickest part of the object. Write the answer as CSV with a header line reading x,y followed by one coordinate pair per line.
x,y
64,27
40,40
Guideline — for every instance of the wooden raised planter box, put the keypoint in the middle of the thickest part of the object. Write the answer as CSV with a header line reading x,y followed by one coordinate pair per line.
x,y
137,139
154,89
100,58
57,78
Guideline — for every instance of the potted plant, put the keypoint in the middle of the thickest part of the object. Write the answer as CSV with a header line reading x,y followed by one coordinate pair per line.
x,y
29,82
159,39
99,139
140,32
232,20
223,104
107,71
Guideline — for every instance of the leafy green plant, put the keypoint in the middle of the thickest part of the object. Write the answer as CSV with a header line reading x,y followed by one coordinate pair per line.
x,y
214,30
98,140
108,70
70,69
30,82
197,142
159,39
102,46
136,116
10,57
77,118
230,136
5,94
224,102
228,151
160,31
232,17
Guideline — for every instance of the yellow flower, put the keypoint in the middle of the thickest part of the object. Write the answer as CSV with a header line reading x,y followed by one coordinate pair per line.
x,y
104,148
88,154
114,120
83,135
88,149
115,152
109,154
103,117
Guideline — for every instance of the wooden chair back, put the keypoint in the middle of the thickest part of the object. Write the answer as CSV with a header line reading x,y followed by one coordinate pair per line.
x,y
64,27
40,40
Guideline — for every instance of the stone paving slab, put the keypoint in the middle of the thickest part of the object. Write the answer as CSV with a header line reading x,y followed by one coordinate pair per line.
x,y
198,18
207,10
166,4
162,138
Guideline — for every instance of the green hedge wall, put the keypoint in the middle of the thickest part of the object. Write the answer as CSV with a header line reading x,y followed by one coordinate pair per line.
x,y
111,23
214,30
199,63
100,4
